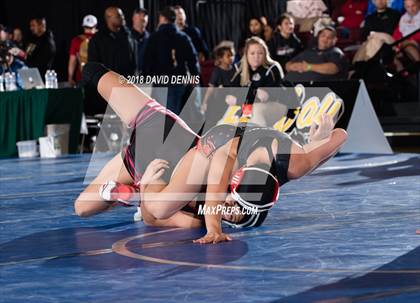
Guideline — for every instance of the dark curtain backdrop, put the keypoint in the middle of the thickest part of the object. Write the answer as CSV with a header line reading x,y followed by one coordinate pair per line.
x,y
217,19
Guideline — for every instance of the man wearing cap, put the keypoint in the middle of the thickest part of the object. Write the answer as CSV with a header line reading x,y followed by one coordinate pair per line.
x,y
79,49
325,62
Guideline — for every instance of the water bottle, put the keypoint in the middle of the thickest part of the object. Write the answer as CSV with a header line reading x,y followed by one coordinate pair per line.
x,y
54,80
19,81
13,85
48,82
7,82
1,83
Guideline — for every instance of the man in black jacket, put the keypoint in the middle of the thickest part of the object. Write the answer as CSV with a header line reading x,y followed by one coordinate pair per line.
x,y
140,35
192,32
113,46
41,49
325,62
383,20
170,52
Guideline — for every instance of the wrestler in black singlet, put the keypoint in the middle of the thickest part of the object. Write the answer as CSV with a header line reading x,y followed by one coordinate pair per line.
x,y
251,137
157,134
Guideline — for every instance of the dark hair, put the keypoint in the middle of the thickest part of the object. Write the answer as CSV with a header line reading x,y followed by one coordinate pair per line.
x,y
256,18
169,13
38,19
260,34
221,51
284,17
140,11
8,30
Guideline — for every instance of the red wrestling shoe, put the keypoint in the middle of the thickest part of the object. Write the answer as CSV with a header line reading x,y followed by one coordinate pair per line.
x,y
125,195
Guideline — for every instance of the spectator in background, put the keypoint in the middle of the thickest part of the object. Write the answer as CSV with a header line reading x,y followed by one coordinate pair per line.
x,y
140,35
7,41
79,49
285,44
40,51
12,64
224,68
268,29
325,62
256,70
306,12
257,66
409,23
18,38
193,32
9,34
8,62
169,52
263,77
113,46
352,14
398,5
383,20
255,28
3,33
214,105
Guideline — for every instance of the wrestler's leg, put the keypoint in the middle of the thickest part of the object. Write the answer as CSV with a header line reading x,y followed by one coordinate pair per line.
x,y
304,160
89,201
179,219
125,99
162,201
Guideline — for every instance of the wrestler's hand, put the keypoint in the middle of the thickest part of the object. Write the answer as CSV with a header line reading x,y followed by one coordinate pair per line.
x,y
154,171
213,237
323,130
230,100
262,95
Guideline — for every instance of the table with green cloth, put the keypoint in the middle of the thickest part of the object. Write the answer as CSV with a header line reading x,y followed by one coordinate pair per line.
x,y
24,114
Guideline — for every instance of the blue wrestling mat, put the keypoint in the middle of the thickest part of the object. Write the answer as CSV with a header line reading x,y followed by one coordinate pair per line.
x,y
346,233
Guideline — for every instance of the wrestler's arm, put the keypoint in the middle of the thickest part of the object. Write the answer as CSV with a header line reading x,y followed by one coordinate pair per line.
x,y
325,142
218,180
182,188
